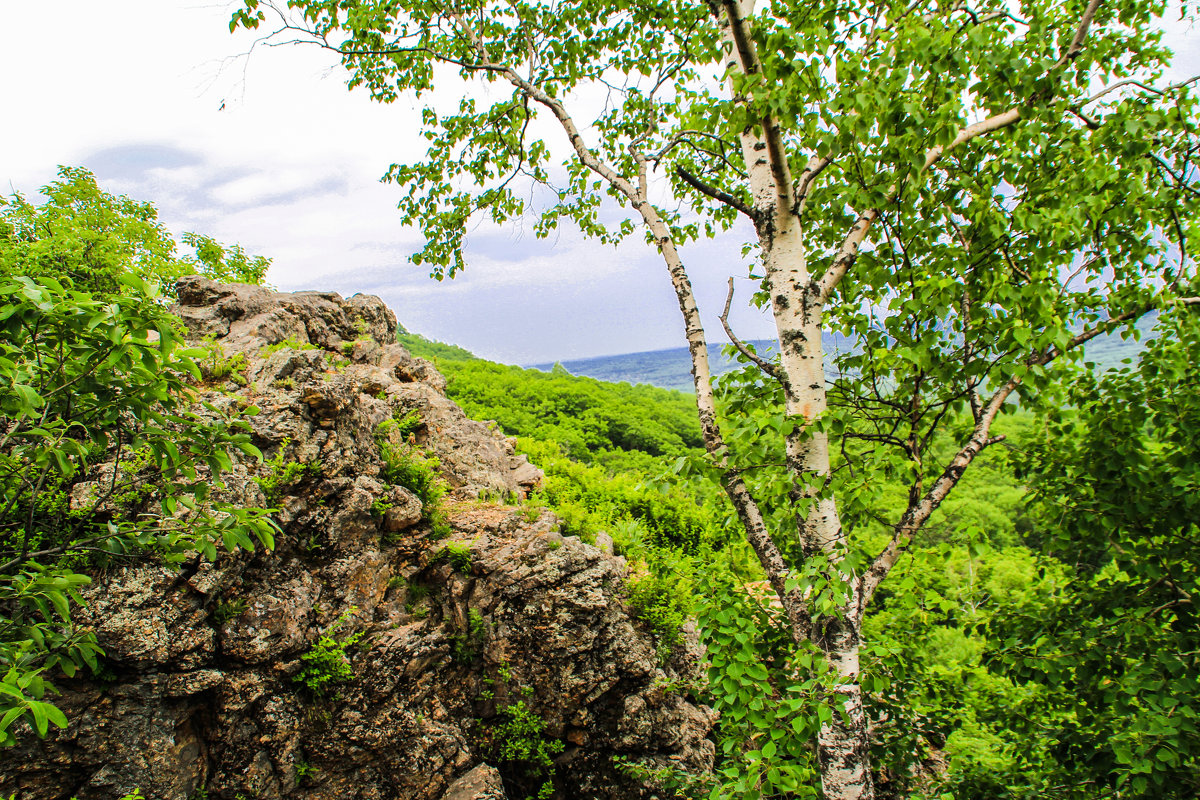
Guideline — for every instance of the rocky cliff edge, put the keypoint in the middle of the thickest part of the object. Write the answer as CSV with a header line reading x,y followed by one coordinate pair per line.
x,y
480,647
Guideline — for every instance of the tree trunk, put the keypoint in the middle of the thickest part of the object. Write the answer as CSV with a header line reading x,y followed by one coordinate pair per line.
x,y
843,747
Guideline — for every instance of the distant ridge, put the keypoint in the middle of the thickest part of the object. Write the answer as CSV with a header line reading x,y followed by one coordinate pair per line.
x,y
667,369
671,368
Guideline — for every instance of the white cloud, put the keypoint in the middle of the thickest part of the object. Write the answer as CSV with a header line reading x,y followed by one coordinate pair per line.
x,y
273,152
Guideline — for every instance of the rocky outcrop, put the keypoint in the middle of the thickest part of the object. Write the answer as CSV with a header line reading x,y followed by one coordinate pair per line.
x,y
490,637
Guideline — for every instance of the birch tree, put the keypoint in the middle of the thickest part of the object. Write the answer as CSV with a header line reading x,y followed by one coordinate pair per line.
x,y
967,193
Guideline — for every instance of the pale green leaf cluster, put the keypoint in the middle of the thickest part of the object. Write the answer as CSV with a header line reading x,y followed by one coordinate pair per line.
x,y
94,240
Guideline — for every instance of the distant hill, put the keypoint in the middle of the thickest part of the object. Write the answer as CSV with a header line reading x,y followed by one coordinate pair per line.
x,y
671,369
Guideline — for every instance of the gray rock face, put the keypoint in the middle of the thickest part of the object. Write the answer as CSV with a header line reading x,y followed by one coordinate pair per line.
x,y
200,692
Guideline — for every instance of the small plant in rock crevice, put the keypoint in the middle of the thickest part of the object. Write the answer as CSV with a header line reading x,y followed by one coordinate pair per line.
x,y
228,609
305,770
465,644
669,781
286,344
518,747
408,424
459,556
326,665
414,596
414,468
216,367
281,474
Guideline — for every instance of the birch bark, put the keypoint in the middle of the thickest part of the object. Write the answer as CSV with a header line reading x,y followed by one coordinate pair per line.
x,y
797,305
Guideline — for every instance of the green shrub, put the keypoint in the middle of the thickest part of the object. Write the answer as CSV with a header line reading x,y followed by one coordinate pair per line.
x,y
223,262
408,424
520,751
415,594
305,770
87,238
216,367
326,665
282,474
660,603
85,379
286,344
459,556
228,609
415,469
465,644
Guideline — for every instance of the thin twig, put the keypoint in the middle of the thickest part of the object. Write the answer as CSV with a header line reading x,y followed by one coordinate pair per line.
x,y
766,366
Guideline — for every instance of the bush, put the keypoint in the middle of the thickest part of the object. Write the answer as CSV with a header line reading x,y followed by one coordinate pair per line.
x,y
84,380
282,474
660,604
413,468
459,556
522,753
465,644
326,664
103,457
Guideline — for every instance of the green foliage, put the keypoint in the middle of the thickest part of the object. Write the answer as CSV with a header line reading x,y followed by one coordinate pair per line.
x,y
305,770
326,665
670,780
926,669
465,644
767,693
85,379
281,474
86,237
588,499
519,749
662,605
415,594
592,420
224,263
440,352
286,344
228,609
413,468
459,556
408,424
1115,646
92,240
216,367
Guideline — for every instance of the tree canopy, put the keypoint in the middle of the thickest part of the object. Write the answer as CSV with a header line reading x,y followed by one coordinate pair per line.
x,y
94,239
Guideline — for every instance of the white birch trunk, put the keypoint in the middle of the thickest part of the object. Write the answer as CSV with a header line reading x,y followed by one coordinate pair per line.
x,y
843,747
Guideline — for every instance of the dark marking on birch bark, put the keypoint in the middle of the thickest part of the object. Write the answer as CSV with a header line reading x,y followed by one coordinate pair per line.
x,y
789,339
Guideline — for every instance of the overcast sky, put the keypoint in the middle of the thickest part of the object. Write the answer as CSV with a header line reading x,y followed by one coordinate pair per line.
x,y
274,153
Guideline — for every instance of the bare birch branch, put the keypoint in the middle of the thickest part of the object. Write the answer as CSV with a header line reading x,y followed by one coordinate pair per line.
x,y
716,194
764,365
